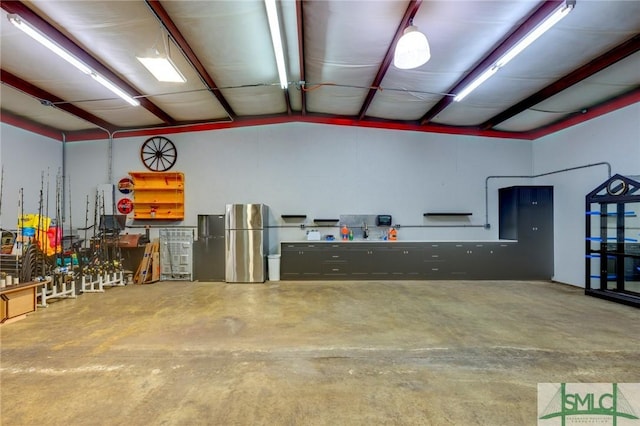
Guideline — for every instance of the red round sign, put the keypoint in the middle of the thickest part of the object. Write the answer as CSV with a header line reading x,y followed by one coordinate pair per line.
x,y
125,185
125,206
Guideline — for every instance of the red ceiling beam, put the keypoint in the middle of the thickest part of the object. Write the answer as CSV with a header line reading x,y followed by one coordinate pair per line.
x,y
23,123
308,118
70,46
87,135
409,14
592,112
620,52
412,127
166,21
46,97
545,9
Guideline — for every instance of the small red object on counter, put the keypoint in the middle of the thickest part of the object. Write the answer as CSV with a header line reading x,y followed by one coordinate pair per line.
x,y
344,232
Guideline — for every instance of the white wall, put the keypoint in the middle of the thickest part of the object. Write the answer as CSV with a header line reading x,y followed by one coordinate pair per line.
x,y
25,157
325,171
612,138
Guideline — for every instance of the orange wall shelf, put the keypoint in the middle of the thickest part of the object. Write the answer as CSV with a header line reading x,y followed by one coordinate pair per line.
x,y
158,195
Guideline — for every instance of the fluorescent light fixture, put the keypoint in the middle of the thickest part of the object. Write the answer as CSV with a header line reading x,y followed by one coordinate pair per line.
x,y
34,34
544,26
46,42
562,11
475,83
163,69
115,89
276,40
412,49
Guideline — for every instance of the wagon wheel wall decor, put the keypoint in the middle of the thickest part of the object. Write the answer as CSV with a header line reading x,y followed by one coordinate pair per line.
x,y
158,154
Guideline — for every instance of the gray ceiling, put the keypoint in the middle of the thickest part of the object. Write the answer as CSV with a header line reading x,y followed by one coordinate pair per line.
x,y
338,59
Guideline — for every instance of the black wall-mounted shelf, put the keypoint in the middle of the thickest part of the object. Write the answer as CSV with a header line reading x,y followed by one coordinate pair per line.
x,y
293,216
326,220
447,214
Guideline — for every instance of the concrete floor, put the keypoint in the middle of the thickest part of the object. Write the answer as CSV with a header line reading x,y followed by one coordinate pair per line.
x,y
319,353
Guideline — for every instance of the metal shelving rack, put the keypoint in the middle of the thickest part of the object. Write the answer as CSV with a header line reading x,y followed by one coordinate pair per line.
x,y
612,243
176,254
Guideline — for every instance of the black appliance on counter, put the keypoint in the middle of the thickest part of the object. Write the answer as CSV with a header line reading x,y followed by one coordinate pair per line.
x,y
383,220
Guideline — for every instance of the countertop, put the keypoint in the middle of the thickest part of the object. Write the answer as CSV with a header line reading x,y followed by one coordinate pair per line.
x,y
395,241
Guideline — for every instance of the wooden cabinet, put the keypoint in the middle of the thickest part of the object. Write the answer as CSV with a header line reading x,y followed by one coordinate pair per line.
x,y
158,195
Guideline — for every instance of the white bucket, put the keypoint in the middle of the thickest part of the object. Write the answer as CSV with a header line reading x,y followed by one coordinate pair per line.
x,y
273,262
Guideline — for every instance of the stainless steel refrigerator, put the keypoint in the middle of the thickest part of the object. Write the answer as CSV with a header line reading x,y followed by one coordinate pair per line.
x,y
246,243
208,250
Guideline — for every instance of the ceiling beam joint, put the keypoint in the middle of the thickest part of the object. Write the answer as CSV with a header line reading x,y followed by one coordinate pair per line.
x,y
409,14
82,55
539,15
172,29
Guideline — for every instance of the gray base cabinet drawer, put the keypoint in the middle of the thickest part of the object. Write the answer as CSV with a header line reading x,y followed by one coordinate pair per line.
x,y
405,261
339,267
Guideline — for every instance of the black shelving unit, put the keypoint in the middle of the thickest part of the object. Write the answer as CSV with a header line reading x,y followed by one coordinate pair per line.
x,y
612,241
438,214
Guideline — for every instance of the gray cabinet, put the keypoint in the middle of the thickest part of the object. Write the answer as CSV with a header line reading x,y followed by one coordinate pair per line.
x,y
526,215
386,260
406,261
490,261
460,256
400,260
301,261
499,259
435,261
334,260
369,261
474,260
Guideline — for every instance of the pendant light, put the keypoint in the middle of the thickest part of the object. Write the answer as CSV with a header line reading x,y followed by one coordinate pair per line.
x,y
412,49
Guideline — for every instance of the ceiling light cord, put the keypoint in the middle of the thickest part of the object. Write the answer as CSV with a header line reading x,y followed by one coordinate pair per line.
x,y
167,45
302,86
